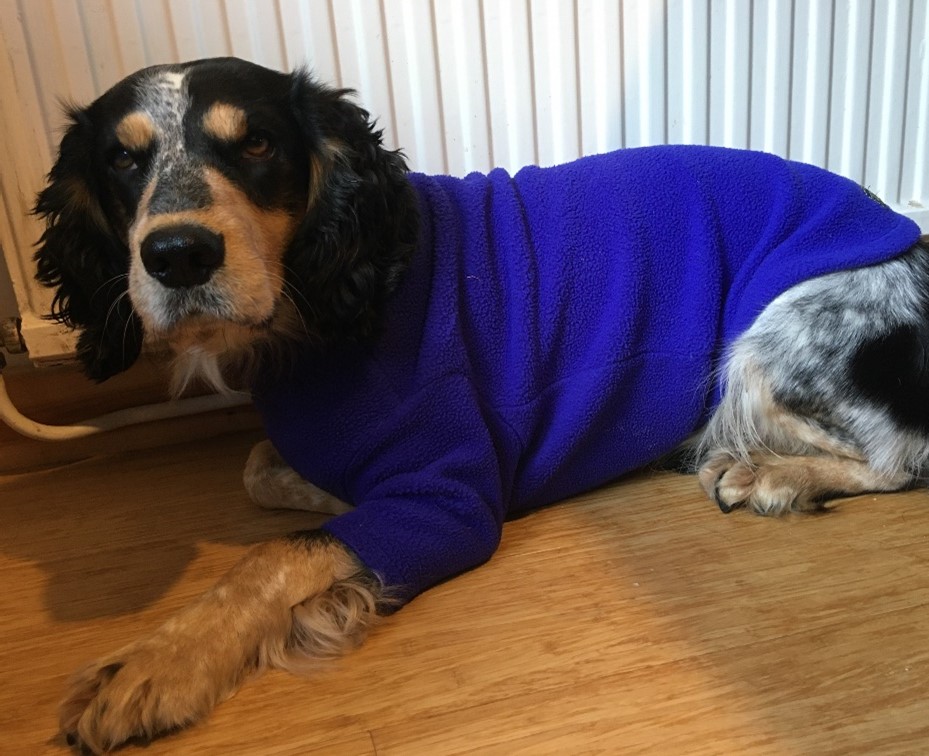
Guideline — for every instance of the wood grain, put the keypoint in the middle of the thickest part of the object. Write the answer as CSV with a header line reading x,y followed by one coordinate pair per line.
x,y
635,619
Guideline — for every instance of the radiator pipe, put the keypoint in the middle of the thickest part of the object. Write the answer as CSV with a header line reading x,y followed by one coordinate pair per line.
x,y
111,421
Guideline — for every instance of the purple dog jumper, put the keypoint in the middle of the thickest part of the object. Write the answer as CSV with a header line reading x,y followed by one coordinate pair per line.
x,y
556,329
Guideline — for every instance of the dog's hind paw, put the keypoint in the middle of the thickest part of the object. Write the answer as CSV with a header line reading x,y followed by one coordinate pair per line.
x,y
765,487
771,484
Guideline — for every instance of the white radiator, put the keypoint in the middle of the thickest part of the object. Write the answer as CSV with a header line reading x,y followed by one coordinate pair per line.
x,y
463,85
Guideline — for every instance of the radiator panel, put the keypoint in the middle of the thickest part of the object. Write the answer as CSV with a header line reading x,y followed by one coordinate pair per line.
x,y
471,84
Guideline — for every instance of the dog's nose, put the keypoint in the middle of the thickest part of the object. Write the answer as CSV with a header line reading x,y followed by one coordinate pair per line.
x,y
182,256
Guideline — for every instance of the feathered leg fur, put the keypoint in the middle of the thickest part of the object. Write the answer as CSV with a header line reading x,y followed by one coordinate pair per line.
x,y
286,603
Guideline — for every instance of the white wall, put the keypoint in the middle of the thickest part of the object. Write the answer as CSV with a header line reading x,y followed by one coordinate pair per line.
x,y
466,84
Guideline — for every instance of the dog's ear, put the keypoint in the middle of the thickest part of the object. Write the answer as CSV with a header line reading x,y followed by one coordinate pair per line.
x,y
362,221
83,258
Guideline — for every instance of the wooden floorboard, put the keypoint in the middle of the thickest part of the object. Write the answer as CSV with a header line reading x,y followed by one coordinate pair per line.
x,y
635,619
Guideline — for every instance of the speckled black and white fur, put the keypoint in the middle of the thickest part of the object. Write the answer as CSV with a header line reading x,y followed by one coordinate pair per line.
x,y
230,211
827,394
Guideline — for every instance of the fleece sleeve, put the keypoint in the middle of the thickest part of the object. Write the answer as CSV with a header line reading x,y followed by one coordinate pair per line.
x,y
428,491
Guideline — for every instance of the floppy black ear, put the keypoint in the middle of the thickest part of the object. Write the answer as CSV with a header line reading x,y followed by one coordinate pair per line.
x,y
82,257
362,219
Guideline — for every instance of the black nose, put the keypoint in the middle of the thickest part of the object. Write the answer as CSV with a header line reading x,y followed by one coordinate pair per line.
x,y
182,256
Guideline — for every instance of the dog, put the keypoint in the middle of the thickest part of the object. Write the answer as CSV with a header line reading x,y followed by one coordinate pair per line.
x,y
443,352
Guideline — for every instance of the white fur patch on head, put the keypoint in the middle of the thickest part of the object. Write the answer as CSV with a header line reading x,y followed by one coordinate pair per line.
x,y
165,99
173,80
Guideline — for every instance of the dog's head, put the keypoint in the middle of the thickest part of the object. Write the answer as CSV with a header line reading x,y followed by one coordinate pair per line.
x,y
221,207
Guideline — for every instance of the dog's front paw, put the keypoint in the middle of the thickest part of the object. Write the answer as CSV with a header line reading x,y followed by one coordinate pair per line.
x,y
245,623
159,684
272,484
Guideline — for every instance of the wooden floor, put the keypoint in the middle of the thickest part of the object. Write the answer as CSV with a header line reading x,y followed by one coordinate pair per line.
x,y
637,619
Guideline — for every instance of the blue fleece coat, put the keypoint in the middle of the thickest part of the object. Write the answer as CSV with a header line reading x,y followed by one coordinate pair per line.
x,y
556,329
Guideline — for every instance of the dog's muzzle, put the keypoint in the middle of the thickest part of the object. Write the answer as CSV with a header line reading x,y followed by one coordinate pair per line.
x,y
182,256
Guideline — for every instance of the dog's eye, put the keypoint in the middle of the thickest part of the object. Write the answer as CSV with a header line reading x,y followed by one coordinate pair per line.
x,y
122,160
257,147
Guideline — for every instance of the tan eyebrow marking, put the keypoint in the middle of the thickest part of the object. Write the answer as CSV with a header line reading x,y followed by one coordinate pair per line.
x,y
225,122
136,132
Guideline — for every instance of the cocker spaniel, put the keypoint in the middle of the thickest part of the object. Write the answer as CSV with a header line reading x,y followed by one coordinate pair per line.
x,y
431,354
